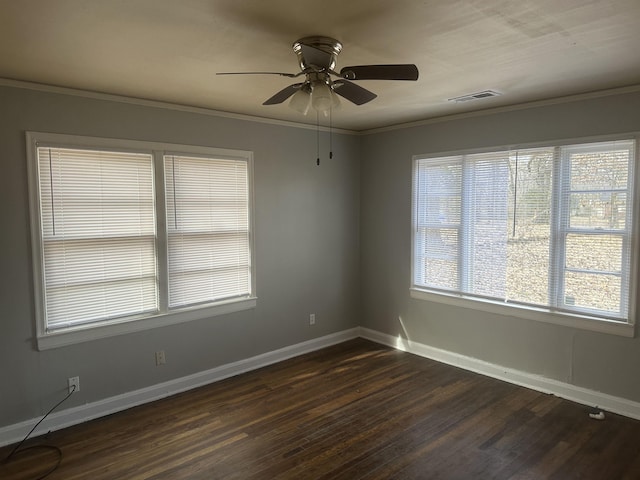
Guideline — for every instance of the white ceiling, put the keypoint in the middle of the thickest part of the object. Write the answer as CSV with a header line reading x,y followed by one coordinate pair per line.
x,y
170,50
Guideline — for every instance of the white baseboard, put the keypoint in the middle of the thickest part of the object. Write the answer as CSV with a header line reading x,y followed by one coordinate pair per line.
x,y
539,383
75,415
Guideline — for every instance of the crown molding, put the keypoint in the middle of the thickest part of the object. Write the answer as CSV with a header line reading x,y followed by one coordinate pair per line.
x,y
7,82
507,108
41,87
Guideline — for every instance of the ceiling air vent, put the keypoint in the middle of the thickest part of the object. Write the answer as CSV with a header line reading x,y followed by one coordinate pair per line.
x,y
475,96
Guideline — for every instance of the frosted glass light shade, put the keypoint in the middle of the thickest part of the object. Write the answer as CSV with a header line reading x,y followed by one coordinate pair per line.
x,y
321,97
301,101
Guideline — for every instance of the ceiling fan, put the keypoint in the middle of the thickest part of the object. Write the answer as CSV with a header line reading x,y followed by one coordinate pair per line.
x,y
317,58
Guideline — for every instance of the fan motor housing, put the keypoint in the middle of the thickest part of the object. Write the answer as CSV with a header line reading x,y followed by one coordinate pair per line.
x,y
329,45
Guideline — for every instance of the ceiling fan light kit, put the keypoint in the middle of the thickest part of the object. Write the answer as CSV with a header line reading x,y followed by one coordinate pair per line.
x,y
317,59
301,100
321,97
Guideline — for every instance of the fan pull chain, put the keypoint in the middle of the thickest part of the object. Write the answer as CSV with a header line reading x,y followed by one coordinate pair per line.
x,y
318,137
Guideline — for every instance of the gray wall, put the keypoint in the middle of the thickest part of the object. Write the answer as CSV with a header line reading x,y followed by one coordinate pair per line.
x,y
601,362
334,240
306,226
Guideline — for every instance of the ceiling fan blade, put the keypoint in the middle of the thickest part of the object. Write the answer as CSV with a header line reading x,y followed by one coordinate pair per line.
x,y
352,92
283,94
315,56
380,72
290,75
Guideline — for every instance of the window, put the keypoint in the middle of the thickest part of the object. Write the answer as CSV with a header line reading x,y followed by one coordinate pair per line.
x,y
547,228
130,235
208,229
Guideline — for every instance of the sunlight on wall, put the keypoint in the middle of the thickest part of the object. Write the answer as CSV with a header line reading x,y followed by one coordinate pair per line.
x,y
402,342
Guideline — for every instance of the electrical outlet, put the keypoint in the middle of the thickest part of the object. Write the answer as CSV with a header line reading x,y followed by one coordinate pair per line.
x,y
73,382
160,358
312,319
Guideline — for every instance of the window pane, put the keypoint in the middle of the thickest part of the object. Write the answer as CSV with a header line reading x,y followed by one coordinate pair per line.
x,y
599,170
89,280
208,224
528,273
594,252
98,233
529,229
597,195
598,210
441,258
87,193
508,208
207,266
438,198
488,180
593,291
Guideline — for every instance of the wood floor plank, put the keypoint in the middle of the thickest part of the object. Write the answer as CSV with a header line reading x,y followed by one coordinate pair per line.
x,y
357,410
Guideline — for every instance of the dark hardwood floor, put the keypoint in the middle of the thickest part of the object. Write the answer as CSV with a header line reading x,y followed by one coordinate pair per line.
x,y
357,410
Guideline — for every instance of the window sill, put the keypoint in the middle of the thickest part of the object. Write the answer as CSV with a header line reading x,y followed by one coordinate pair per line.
x,y
541,315
86,333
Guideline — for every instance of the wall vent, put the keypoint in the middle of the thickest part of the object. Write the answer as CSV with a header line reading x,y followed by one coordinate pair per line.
x,y
475,96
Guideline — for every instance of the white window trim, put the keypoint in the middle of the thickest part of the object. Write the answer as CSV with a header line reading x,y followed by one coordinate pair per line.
x,y
47,340
565,319
540,314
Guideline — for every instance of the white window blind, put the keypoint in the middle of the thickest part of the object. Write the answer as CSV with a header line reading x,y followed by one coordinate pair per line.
x,y
596,224
130,235
546,227
98,235
207,202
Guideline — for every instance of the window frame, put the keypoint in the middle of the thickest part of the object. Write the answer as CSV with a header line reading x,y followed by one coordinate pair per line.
x,y
164,316
575,319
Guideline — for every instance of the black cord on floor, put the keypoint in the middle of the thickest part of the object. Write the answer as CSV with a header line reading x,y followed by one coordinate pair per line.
x,y
17,449
39,447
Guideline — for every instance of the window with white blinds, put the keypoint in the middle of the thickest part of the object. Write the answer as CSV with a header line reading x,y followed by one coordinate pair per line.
x,y
125,231
547,227
98,235
208,227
